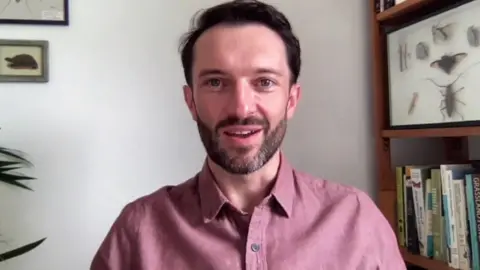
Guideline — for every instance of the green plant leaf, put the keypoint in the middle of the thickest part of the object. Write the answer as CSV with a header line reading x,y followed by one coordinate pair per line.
x,y
20,251
4,163
11,154
14,177
15,183
15,160
6,166
6,169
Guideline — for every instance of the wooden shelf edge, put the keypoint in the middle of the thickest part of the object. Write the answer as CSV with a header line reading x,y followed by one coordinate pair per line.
x,y
401,9
424,262
431,132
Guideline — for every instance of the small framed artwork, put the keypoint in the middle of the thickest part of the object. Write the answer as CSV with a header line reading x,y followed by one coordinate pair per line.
x,y
434,69
24,61
46,12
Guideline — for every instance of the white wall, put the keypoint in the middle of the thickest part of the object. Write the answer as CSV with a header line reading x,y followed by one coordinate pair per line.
x,y
111,125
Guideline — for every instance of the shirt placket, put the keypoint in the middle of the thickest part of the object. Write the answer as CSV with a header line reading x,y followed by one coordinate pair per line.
x,y
255,251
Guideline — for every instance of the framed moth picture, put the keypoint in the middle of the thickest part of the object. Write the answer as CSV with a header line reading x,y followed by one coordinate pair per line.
x,y
24,61
433,68
46,12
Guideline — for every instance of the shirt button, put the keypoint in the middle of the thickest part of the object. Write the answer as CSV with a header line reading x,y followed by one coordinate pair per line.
x,y
255,247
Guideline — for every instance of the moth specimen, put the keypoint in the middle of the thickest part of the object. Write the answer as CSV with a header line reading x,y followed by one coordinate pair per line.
x,y
447,63
422,51
473,36
403,55
442,33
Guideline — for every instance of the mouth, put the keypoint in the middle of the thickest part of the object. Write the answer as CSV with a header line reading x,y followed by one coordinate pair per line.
x,y
242,134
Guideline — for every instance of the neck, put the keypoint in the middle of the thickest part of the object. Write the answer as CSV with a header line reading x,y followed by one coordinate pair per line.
x,y
247,191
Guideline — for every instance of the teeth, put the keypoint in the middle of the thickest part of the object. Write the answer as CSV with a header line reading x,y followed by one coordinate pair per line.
x,y
241,133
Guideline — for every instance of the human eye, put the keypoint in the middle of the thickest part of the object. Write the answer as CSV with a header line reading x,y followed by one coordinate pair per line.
x,y
213,82
265,83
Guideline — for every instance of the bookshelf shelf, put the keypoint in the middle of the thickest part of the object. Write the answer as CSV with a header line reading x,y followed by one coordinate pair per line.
x,y
432,132
424,262
402,9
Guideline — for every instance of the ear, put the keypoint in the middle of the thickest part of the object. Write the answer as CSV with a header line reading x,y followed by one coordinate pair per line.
x,y
293,99
189,100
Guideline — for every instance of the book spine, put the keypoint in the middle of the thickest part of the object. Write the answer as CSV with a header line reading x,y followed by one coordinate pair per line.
x,y
412,234
377,6
452,255
461,222
437,228
472,220
400,204
476,218
389,3
419,206
406,176
428,218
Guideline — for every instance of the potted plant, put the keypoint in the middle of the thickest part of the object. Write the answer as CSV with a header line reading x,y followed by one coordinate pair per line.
x,y
10,161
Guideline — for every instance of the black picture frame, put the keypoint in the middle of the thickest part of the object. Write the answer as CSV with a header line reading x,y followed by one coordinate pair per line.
x,y
389,28
63,22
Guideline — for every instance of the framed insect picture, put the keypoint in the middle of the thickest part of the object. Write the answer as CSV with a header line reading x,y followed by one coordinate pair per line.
x,y
45,12
433,69
24,61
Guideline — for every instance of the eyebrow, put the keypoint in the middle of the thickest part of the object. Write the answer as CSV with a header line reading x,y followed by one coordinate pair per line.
x,y
209,72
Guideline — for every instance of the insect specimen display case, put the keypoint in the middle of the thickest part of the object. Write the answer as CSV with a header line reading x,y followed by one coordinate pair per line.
x,y
426,85
34,12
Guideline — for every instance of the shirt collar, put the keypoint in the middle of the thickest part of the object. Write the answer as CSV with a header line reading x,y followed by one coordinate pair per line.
x,y
212,198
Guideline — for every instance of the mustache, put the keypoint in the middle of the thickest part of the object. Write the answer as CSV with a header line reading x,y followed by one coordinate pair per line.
x,y
236,121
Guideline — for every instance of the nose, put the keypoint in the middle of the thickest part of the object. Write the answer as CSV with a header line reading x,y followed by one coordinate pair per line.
x,y
242,101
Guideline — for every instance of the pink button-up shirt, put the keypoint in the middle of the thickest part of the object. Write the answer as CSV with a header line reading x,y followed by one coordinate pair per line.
x,y
305,224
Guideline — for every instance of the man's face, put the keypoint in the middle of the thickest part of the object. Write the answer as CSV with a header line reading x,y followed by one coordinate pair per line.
x,y
242,96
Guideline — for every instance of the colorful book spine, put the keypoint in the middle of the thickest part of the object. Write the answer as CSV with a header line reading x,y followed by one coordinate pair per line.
x,y
472,192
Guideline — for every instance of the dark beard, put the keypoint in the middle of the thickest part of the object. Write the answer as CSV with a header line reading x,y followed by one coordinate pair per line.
x,y
235,163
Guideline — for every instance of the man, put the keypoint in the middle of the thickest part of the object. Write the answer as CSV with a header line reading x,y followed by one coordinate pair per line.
x,y
247,208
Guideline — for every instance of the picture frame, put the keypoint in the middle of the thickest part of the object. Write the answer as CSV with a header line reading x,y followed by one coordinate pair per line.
x,y
34,12
25,61
431,66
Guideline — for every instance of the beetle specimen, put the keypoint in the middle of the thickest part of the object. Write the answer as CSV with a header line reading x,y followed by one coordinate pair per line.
x,y
442,33
422,51
448,104
473,36
447,63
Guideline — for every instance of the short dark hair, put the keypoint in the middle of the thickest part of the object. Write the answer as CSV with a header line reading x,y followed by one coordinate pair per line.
x,y
241,12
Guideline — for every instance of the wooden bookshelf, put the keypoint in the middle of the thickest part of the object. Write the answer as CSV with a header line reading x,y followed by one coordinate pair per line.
x,y
455,139
432,132
424,261
403,8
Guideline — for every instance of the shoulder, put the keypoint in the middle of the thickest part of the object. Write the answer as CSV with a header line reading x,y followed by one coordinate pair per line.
x,y
354,204
158,203
325,189
360,214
